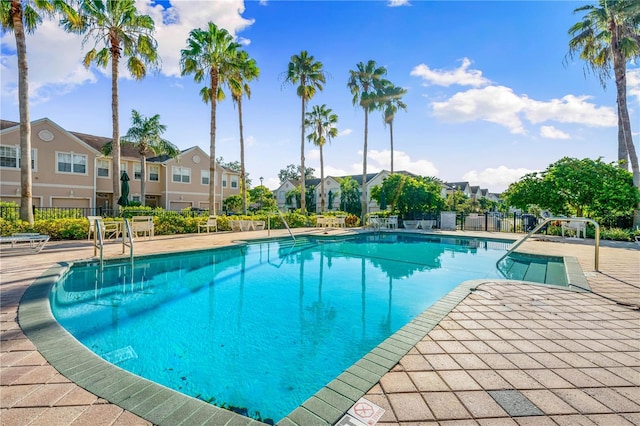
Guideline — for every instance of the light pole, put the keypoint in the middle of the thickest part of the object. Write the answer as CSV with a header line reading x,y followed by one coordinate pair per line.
x,y
261,194
261,178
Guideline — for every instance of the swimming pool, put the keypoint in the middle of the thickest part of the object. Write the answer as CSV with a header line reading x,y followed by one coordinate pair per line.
x,y
209,324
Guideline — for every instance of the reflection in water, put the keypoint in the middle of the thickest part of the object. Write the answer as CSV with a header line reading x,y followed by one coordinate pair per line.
x,y
262,326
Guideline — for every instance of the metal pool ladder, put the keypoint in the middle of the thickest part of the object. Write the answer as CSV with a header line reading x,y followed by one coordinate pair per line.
x,y
561,219
283,221
98,241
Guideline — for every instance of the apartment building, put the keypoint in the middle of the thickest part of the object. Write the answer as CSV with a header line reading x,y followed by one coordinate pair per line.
x,y
69,170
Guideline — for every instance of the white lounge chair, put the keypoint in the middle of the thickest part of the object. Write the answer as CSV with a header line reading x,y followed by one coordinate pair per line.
x,y
212,222
33,242
142,225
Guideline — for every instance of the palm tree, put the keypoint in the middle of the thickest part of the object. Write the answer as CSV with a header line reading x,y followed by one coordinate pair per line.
x,y
607,37
322,123
210,52
391,104
307,73
20,16
243,71
365,83
118,32
145,134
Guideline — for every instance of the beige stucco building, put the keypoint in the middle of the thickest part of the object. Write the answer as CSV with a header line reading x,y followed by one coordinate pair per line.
x,y
69,170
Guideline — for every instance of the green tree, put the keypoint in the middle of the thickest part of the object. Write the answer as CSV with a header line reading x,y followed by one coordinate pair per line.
x,y
145,134
263,196
233,203
390,105
20,17
293,173
118,31
308,74
350,195
322,123
410,196
570,186
365,84
607,37
243,71
210,53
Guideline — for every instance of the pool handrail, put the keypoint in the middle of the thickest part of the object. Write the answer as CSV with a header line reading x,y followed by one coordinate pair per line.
x,y
561,219
283,221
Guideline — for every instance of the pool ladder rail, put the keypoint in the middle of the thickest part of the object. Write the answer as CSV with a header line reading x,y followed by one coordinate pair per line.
x,y
560,219
98,241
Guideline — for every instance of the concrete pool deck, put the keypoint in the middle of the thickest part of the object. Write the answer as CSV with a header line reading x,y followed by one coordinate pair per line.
x,y
505,354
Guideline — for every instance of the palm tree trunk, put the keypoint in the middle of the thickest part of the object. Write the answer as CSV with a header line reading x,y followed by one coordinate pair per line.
x,y
212,144
321,180
143,179
303,203
623,154
243,176
620,71
116,128
364,166
26,212
391,136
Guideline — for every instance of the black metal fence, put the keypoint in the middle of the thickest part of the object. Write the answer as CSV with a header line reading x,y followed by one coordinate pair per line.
x,y
45,213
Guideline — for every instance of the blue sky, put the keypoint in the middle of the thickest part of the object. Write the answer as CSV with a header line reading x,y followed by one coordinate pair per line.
x,y
489,95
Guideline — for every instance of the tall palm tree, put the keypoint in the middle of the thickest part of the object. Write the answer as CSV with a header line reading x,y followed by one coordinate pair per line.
x,y
322,123
607,37
210,53
145,134
390,105
243,71
118,32
22,16
365,84
303,70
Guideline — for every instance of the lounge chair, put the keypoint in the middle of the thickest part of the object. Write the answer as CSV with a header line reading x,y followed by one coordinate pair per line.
x,y
212,222
33,242
92,225
142,225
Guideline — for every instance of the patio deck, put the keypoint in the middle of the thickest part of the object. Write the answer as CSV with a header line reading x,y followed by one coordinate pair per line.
x,y
506,354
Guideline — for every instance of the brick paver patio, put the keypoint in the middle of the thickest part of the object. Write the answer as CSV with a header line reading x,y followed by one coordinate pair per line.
x,y
508,354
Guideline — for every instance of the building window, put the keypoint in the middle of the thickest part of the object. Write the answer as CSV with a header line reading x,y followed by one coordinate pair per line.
x,y
224,181
181,174
68,162
137,171
10,157
103,168
135,198
234,181
154,173
204,177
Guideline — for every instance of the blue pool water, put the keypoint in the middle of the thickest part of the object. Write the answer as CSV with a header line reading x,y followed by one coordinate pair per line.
x,y
265,325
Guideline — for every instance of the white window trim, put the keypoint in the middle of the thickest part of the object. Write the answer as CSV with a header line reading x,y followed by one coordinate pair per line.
x,y
108,176
34,158
203,174
182,174
152,166
86,164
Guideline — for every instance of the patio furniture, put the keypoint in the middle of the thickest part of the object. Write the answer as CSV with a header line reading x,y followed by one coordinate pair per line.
x,y
392,222
31,241
411,224
212,222
92,225
374,221
110,229
575,228
340,221
142,225
427,224
321,221
257,225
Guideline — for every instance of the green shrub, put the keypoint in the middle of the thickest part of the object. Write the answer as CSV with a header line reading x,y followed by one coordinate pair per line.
x,y
615,234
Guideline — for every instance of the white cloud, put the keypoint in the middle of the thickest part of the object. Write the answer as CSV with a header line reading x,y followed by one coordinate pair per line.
x,y
551,132
401,161
396,3
345,132
500,105
633,83
50,73
495,179
312,154
497,104
462,75
249,141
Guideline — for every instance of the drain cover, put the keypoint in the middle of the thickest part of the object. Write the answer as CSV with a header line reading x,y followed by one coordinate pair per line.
x,y
515,403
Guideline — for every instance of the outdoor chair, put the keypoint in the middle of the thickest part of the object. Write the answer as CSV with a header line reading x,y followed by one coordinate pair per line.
x,y
340,221
392,222
33,242
109,229
142,225
92,225
212,222
575,228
